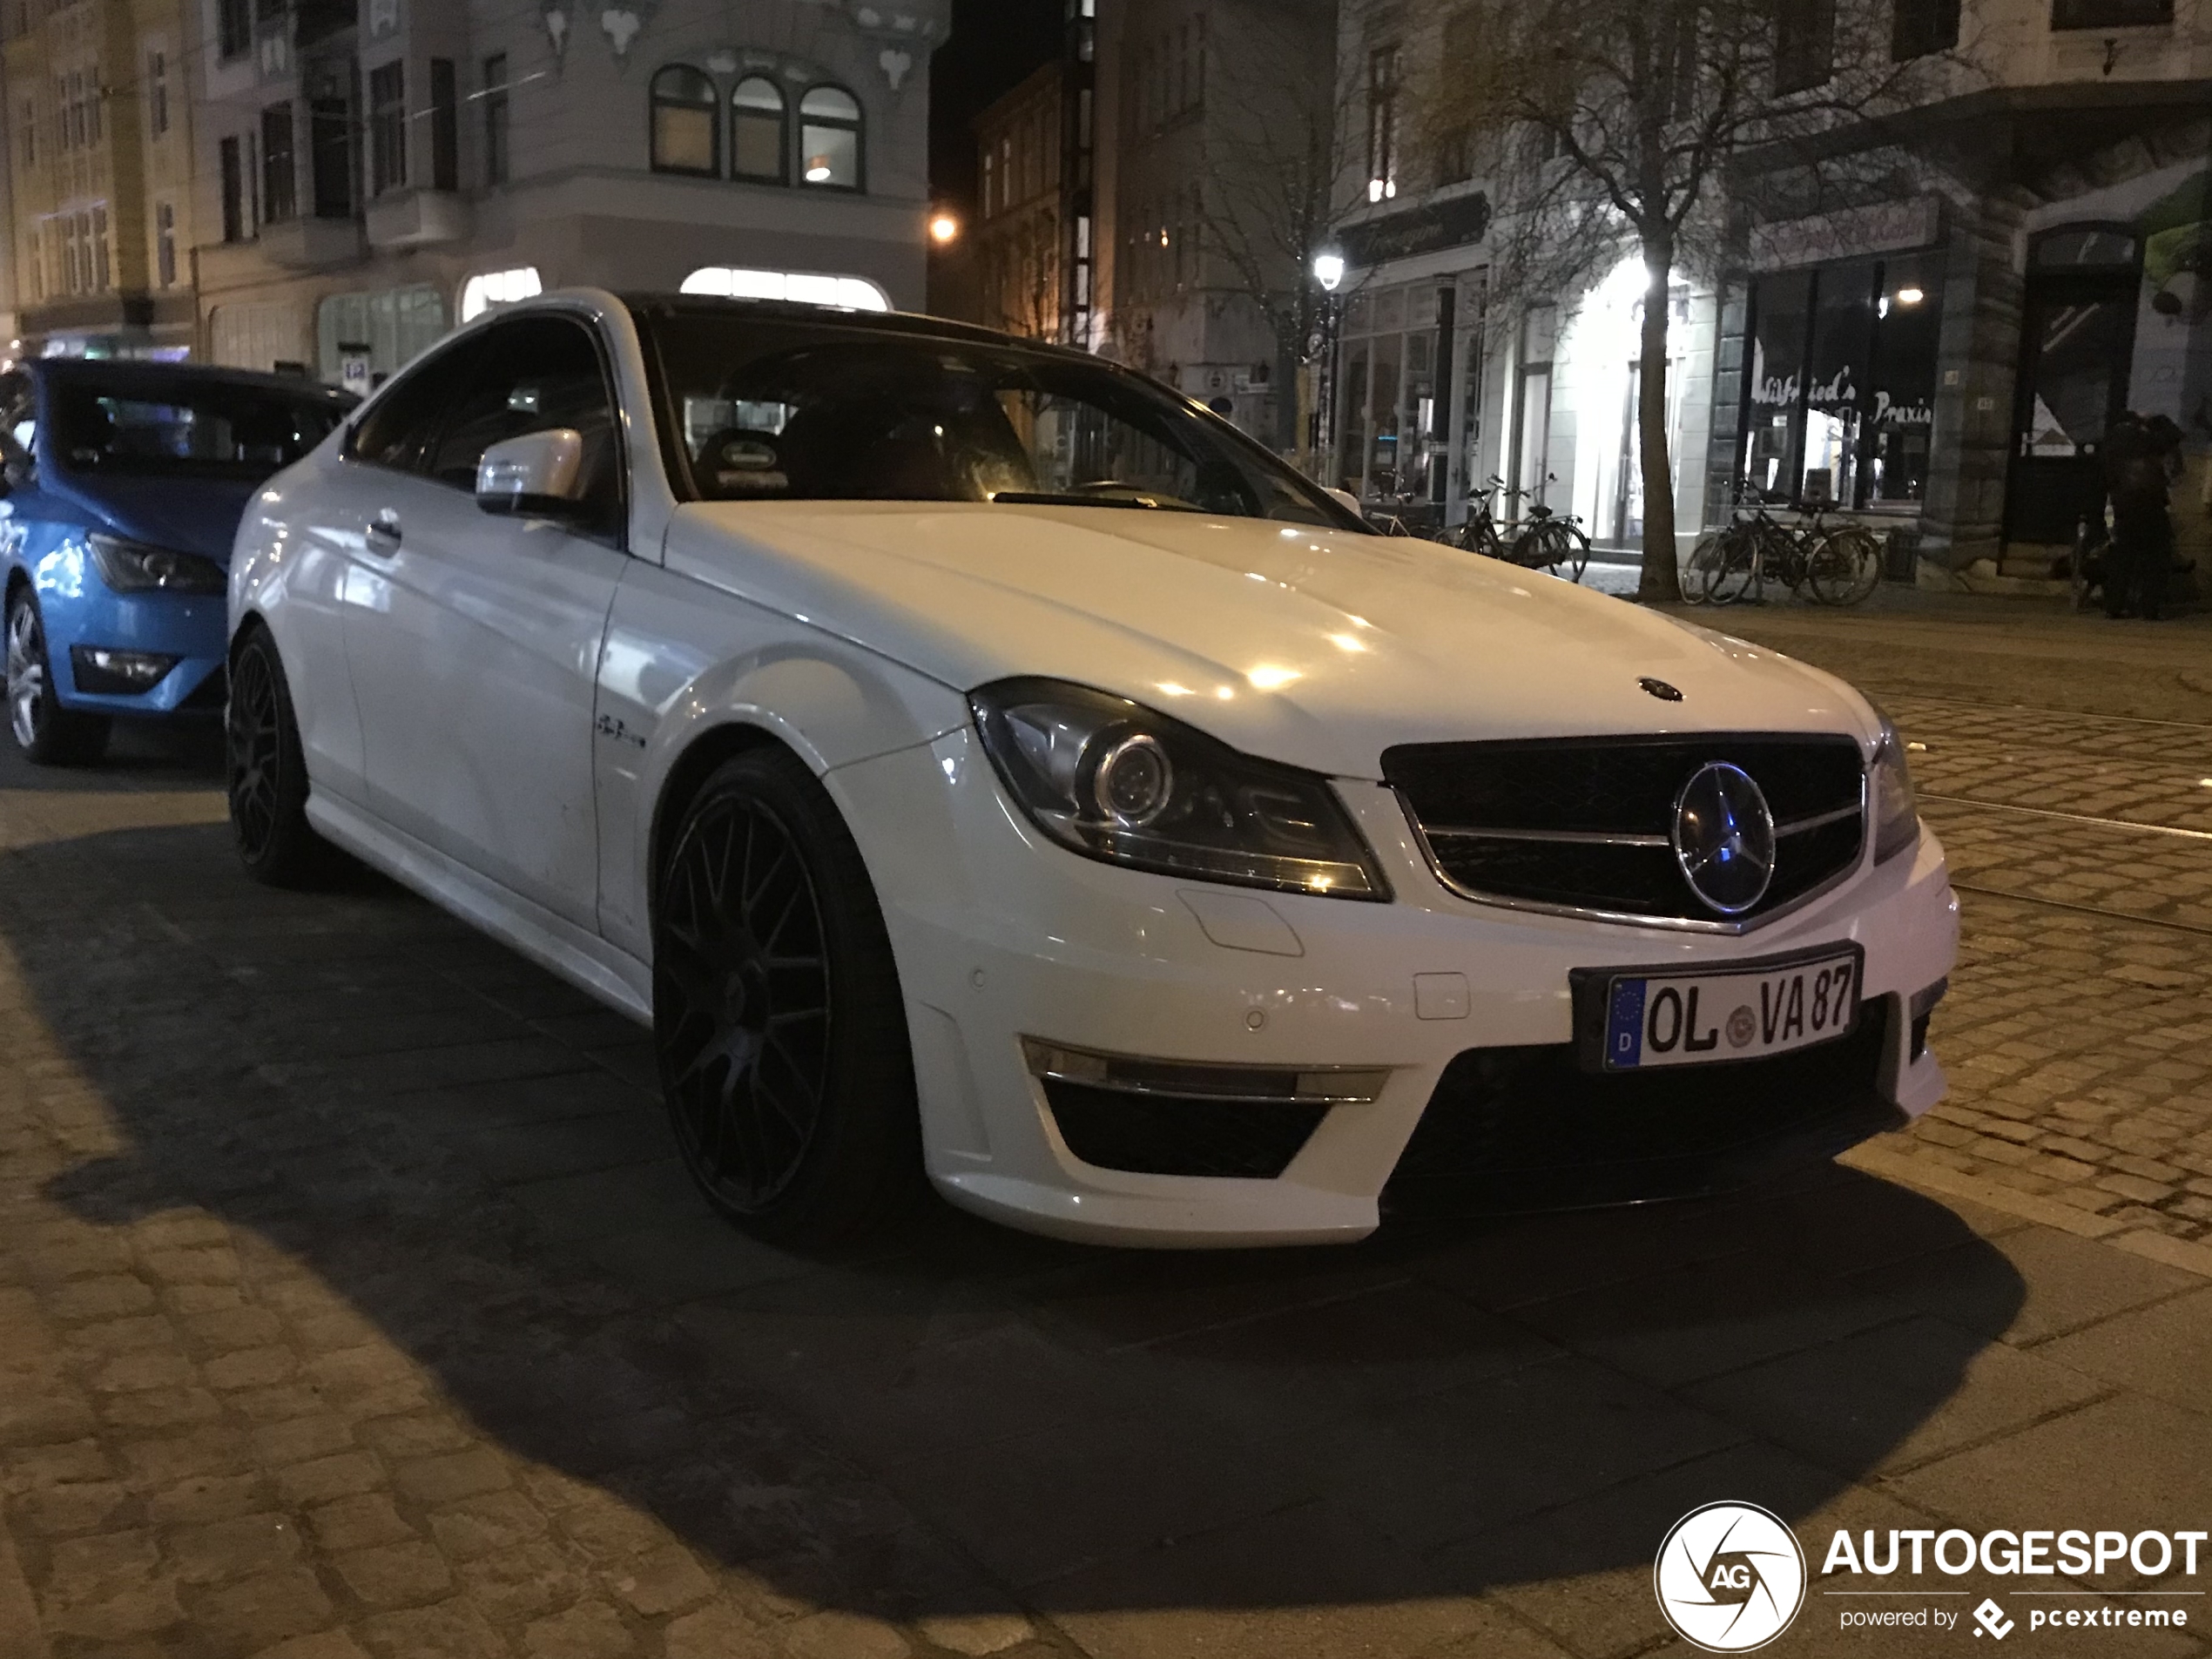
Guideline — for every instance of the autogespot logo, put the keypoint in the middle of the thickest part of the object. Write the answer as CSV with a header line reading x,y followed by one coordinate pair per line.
x,y
1729,1577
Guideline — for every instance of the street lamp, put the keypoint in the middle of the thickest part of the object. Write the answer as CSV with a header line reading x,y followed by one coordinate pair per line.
x,y
1328,270
944,230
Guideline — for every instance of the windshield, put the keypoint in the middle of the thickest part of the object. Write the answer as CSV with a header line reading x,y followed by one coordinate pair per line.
x,y
207,430
767,408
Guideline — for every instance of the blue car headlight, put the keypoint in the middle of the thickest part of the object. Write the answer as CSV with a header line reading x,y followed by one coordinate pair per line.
x,y
133,567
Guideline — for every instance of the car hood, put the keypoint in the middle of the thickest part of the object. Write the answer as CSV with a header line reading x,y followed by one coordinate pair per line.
x,y
1319,648
191,514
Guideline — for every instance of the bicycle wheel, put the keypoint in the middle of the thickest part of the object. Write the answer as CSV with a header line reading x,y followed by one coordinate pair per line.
x,y
1735,567
1703,565
1573,547
1844,566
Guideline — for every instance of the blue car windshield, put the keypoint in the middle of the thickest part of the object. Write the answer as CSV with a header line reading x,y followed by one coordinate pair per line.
x,y
211,430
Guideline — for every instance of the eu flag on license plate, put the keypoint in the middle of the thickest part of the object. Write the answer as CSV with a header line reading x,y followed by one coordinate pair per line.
x,y
1624,1023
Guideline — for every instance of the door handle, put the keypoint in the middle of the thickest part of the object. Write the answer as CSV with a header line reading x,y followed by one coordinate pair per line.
x,y
384,530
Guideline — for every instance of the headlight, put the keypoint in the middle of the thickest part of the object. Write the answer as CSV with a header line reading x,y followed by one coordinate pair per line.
x,y
1113,780
1897,814
132,567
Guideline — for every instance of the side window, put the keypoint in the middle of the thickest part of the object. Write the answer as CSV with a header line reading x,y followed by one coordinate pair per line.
x,y
399,430
538,373
18,416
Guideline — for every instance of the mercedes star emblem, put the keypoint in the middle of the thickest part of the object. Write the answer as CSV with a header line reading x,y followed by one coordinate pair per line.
x,y
1725,838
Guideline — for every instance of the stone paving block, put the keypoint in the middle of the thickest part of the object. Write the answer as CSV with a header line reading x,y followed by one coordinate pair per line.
x,y
718,1632
590,1630
666,1581
520,1582
387,1575
451,1630
328,1645
213,1551
843,1636
356,1522
458,1475
2164,1350
206,1497
321,1478
491,1520
2028,1285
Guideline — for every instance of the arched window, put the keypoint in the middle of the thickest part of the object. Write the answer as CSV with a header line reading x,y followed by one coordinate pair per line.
x,y
687,124
757,132
829,138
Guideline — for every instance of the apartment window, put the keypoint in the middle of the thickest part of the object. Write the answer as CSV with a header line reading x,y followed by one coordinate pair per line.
x,y
93,98
829,137
231,164
73,111
445,125
234,27
279,175
30,132
757,128
496,162
1382,124
1805,45
95,232
683,115
2110,14
69,243
330,135
158,94
387,127
164,245
990,177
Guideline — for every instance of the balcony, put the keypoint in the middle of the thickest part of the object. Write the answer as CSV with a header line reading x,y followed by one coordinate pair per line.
x,y
417,219
311,244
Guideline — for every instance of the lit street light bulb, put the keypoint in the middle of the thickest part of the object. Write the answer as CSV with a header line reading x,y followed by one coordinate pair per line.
x,y
944,229
1328,270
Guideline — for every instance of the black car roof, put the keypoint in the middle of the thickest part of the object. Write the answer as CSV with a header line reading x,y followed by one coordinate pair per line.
x,y
137,373
906,324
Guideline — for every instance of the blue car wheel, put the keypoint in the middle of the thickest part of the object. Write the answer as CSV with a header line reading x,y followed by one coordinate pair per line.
x,y
48,734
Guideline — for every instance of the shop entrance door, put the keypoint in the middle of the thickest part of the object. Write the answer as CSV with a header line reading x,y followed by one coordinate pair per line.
x,y
2077,335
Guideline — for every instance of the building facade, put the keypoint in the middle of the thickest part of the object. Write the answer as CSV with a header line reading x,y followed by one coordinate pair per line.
x,y
1211,115
99,187
1022,187
376,172
1939,349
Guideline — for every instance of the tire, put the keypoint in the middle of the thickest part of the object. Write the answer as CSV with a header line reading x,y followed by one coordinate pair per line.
x,y
1573,551
1844,567
778,1022
265,773
48,734
1735,567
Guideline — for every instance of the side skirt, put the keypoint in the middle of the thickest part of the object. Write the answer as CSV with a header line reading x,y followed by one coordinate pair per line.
x,y
587,961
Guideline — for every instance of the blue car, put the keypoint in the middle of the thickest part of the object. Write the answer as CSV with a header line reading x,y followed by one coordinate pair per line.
x,y
125,482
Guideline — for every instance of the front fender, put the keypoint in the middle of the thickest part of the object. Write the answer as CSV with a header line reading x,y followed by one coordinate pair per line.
x,y
687,675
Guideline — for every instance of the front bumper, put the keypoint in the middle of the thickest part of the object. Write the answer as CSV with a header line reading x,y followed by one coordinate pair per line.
x,y
79,609
1000,935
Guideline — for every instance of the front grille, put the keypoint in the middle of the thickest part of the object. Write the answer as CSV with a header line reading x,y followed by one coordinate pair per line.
x,y
1523,1128
1586,823
1177,1135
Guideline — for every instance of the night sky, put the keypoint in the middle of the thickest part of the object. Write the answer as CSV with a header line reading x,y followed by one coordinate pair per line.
x,y
992,45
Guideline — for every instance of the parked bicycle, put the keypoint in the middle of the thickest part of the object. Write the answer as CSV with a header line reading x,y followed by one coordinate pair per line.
x,y
1543,541
1836,564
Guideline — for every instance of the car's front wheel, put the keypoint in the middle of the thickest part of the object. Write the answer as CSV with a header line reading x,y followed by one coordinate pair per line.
x,y
267,771
781,1035
48,734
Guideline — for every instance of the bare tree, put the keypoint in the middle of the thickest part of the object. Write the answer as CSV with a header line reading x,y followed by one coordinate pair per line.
x,y
1276,122
1608,127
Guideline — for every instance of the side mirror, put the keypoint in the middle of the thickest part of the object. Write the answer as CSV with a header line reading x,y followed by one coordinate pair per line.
x,y
540,473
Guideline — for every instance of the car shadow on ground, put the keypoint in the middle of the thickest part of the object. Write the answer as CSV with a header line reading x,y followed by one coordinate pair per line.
x,y
419,1143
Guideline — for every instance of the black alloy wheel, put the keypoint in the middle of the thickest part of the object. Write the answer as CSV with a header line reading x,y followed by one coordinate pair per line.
x,y
48,734
781,1037
266,772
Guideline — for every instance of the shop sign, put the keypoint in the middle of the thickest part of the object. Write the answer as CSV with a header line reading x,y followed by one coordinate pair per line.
x,y
1454,223
1852,232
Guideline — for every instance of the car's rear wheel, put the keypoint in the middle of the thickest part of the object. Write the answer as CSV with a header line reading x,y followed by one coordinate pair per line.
x,y
781,1037
267,771
48,734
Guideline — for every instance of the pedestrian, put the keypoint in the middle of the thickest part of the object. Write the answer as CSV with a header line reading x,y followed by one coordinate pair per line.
x,y
2139,460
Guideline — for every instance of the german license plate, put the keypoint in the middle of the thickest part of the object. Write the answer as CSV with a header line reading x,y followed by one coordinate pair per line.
x,y
1745,1012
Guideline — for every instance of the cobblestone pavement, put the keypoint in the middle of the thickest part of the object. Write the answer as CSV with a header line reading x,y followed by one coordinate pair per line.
x,y
352,1302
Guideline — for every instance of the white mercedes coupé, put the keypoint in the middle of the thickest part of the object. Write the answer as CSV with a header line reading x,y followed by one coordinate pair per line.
x,y
969,756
